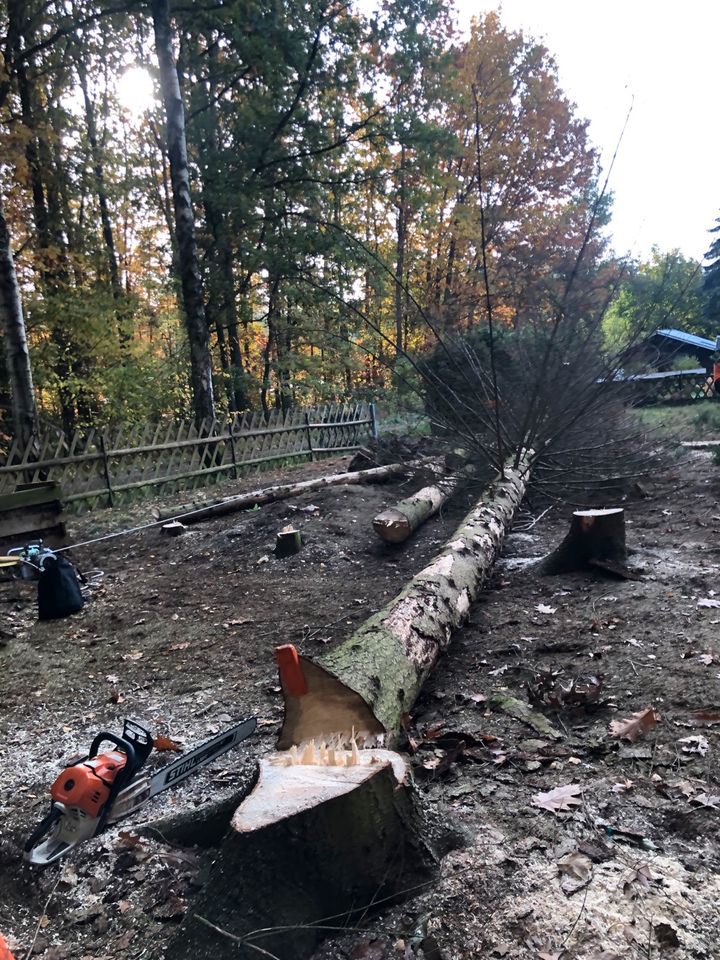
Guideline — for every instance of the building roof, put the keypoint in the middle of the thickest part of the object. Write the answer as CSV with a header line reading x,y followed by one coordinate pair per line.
x,y
688,338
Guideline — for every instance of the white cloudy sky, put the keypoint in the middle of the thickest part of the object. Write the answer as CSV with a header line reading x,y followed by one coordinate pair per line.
x,y
664,57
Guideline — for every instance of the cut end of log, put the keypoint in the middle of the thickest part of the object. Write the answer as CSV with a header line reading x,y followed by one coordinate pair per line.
x,y
327,711
301,779
392,526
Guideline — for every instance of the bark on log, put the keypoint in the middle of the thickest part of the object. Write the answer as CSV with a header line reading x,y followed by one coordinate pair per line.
x,y
372,679
595,540
312,845
397,523
201,510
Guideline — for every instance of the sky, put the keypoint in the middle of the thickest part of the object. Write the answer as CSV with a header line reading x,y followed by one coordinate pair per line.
x,y
662,58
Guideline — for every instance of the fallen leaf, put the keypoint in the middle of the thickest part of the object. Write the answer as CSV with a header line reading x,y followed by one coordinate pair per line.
x,y
622,787
561,799
127,839
171,907
576,870
635,726
695,744
544,608
639,880
162,743
706,800
705,716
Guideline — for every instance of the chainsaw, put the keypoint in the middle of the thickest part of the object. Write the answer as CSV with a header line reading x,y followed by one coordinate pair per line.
x,y
104,787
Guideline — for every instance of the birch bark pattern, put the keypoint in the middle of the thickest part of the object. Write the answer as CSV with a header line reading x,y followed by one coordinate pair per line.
x,y
17,355
202,510
395,524
372,679
190,277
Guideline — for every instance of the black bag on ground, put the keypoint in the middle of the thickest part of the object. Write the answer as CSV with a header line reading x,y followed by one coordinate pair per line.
x,y
58,590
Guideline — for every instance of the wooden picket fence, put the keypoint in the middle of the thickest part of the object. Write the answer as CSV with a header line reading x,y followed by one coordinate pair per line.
x,y
96,467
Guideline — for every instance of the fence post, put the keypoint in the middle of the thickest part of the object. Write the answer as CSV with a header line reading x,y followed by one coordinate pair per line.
x,y
373,421
106,470
309,435
231,437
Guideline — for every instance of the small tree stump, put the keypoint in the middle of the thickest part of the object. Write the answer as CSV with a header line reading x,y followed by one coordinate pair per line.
x,y
288,542
595,540
174,528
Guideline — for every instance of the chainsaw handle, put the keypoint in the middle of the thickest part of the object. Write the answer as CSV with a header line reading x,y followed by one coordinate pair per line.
x,y
124,745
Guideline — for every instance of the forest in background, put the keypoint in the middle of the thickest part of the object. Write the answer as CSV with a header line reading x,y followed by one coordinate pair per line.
x,y
363,184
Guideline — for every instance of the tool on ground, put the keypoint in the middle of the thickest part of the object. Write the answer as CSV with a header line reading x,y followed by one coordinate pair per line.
x,y
104,787
31,558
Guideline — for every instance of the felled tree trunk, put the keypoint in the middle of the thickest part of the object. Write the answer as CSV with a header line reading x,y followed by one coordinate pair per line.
x,y
595,540
372,679
201,510
397,523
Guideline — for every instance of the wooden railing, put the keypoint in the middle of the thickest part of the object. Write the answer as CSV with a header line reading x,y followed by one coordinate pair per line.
x,y
106,467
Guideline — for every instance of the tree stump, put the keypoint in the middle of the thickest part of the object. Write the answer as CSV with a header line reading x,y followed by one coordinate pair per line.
x,y
595,540
314,845
288,542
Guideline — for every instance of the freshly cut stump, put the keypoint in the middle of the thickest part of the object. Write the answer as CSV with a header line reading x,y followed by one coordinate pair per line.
x,y
315,845
595,540
288,542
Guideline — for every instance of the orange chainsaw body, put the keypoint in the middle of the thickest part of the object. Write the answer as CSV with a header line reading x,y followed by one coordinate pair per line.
x,y
87,785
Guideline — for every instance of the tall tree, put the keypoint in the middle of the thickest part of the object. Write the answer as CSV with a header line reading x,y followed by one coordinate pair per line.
x,y
188,262
17,355
711,282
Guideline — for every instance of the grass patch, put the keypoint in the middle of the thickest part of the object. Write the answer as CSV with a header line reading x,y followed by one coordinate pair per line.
x,y
692,421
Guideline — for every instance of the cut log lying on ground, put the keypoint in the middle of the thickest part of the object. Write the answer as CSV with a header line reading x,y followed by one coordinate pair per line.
x,y
201,510
372,679
595,540
396,523
329,830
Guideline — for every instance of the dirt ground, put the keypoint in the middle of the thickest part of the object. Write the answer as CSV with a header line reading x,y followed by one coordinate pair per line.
x,y
179,634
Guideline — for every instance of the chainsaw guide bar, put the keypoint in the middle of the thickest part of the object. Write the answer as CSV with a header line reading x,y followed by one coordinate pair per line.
x,y
105,787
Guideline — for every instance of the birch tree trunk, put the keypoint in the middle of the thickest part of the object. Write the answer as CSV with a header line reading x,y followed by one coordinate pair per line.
x,y
17,356
190,276
369,682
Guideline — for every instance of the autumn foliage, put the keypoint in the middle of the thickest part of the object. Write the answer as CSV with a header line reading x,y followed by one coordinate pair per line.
x,y
351,176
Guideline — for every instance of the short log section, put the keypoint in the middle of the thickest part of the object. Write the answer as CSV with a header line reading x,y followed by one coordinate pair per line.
x,y
395,524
